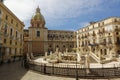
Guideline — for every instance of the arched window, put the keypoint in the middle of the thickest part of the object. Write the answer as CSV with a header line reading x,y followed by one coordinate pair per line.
x,y
101,51
11,32
16,34
38,34
105,52
5,28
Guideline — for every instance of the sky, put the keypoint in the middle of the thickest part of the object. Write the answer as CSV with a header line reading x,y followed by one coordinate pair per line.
x,y
65,14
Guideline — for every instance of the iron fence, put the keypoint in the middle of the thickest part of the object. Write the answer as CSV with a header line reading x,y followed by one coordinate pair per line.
x,y
72,71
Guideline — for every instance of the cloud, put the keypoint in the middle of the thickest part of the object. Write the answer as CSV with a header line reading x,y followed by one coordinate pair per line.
x,y
68,8
56,12
24,9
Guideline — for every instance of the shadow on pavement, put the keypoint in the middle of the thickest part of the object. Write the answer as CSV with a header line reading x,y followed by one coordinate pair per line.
x,y
12,71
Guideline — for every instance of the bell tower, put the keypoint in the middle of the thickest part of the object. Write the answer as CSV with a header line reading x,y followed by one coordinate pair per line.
x,y
38,34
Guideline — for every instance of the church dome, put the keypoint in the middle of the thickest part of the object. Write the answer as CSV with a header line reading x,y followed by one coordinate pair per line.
x,y
38,19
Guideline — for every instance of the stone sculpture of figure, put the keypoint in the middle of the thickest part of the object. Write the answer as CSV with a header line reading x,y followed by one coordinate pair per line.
x,y
31,55
59,56
28,57
45,55
50,52
56,50
66,50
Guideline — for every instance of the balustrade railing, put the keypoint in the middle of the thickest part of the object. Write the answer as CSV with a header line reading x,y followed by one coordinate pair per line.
x,y
70,70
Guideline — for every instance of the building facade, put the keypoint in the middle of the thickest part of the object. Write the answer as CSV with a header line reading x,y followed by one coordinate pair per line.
x,y
11,34
38,39
100,40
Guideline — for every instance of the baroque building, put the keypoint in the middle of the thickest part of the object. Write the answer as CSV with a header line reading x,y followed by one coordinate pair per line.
x,y
100,40
38,39
11,34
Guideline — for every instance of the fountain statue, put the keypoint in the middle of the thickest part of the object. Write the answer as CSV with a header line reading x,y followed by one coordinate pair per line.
x,y
66,57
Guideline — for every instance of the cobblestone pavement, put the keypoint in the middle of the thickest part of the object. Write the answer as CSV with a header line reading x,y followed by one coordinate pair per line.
x,y
14,71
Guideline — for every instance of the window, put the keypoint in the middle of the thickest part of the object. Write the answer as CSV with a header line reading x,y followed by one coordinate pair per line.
x,y
4,40
15,51
38,33
0,12
105,52
21,37
10,51
116,27
10,42
16,34
5,29
104,40
115,20
57,46
109,40
20,50
118,39
16,24
12,21
6,17
98,24
11,32
117,33
101,51
15,43
102,23
103,30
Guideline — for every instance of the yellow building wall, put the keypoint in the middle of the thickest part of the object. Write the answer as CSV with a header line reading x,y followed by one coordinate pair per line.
x,y
12,40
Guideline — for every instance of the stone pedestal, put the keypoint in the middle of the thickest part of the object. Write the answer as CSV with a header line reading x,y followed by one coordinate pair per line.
x,y
87,64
